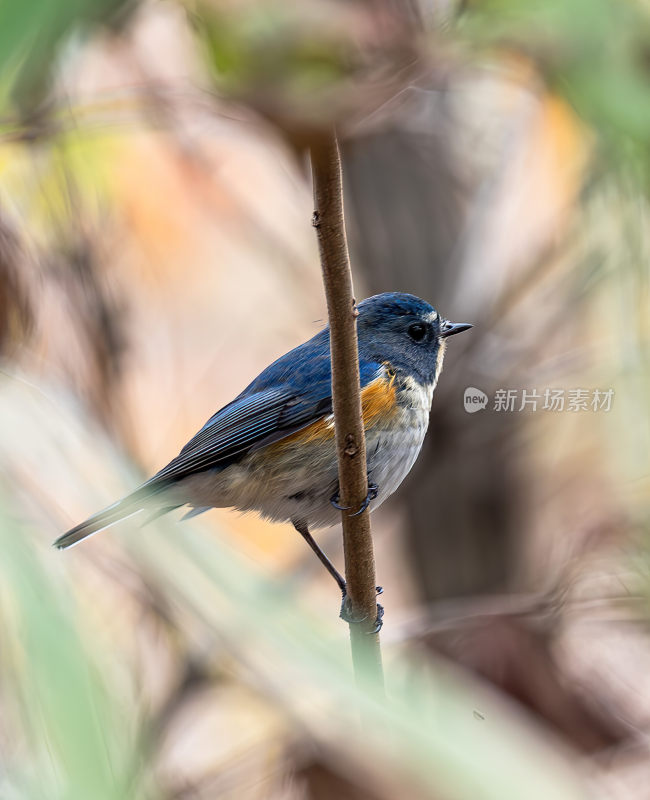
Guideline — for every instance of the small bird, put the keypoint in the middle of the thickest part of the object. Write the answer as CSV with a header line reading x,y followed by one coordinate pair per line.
x,y
272,449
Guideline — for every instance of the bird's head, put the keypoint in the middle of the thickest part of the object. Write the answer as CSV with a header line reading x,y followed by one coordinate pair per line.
x,y
406,332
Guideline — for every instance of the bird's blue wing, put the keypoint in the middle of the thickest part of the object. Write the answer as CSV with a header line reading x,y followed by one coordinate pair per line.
x,y
234,430
292,393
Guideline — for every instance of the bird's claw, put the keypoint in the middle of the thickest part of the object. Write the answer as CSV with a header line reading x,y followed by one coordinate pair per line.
x,y
334,500
373,491
347,615
379,621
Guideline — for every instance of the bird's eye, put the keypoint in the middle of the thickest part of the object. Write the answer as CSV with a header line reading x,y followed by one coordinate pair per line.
x,y
417,331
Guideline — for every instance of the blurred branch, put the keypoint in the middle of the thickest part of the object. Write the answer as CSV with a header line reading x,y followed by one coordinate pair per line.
x,y
545,609
346,400
16,313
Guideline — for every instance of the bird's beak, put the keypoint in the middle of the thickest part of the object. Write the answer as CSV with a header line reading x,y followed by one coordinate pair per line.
x,y
451,328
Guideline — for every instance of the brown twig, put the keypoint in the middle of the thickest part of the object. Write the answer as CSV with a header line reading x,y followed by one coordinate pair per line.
x,y
346,399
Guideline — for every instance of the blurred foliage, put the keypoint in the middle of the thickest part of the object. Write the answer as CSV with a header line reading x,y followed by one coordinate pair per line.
x,y
272,47
72,740
15,313
31,35
596,53
79,719
310,66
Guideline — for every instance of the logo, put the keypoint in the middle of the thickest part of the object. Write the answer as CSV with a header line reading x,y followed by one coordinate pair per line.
x,y
474,400
551,399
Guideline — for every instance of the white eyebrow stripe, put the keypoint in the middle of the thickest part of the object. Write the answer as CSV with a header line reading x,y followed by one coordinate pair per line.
x,y
432,316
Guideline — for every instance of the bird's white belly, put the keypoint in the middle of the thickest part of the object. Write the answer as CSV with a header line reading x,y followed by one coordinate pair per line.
x,y
391,455
299,483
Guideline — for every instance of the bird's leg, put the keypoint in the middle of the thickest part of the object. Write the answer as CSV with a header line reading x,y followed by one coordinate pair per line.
x,y
373,491
303,530
346,612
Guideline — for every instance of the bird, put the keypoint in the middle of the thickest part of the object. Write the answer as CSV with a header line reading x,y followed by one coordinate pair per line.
x,y
272,449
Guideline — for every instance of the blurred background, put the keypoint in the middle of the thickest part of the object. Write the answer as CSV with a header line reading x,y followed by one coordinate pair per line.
x,y
156,252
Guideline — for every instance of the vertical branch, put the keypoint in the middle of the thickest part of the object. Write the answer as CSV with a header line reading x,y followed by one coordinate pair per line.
x,y
346,398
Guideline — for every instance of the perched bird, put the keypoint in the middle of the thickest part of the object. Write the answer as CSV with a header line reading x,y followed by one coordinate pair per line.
x,y
272,449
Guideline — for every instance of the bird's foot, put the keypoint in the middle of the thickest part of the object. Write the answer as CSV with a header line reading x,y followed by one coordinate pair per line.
x,y
373,491
334,500
347,615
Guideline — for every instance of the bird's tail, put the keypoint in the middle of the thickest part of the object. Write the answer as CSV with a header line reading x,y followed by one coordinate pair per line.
x,y
126,507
